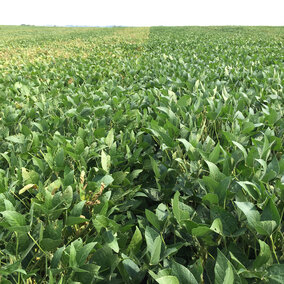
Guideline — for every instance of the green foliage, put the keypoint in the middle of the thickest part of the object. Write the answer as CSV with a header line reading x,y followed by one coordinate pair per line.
x,y
141,155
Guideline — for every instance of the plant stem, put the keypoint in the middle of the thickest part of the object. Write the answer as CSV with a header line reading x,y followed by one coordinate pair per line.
x,y
36,243
273,249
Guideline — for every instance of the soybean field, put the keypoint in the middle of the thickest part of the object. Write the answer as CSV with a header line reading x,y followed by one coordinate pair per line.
x,y
141,155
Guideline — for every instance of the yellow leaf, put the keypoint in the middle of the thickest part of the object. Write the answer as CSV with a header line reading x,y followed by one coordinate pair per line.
x,y
27,187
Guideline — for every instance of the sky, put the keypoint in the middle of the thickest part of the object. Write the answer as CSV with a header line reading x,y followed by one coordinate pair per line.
x,y
142,12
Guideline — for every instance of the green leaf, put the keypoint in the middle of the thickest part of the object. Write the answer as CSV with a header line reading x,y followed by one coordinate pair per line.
x,y
188,146
242,148
229,276
222,189
68,178
167,280
14,218
84,252
201,231
3,183
133,270
59,159
104,257
215,172
56,257
229,221
119,177
153,219
79,146
172,117
155,168
163,136
51,279
210,198
183,274
106,180
175,205
248,127
250,188
30,177
135,242
71,220
172,249
270,212
111,240
49,159
254,219
72,256
184,101
223,270
265,228
135,174
217,226
249,210
101,221
156,251
110,138
150,236
105,161
99,132
39,163
264,257
276,274
19,138
264,165
197,270
49,244
177,210
273,116
67,196
162,212
214,155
